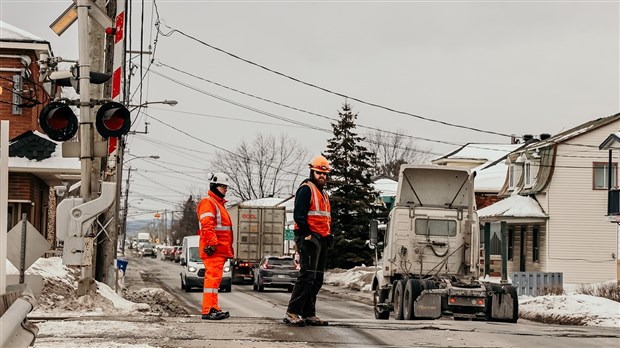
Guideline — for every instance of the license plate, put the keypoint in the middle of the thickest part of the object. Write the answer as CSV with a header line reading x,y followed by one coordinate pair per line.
x,y
280,275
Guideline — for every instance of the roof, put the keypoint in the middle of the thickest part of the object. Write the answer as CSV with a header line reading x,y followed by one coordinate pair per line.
x,y
515,206
264,202
9,32
12,37
612,139
385,186
573,132
49,164
490,169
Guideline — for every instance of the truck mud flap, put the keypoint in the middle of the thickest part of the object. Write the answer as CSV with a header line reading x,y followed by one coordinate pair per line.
x,y
502,306
428,306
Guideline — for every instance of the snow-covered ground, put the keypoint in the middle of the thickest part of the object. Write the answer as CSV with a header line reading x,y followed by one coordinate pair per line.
x,y
58,298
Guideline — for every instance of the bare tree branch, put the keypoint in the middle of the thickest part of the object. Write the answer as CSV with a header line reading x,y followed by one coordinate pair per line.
x,y
266,167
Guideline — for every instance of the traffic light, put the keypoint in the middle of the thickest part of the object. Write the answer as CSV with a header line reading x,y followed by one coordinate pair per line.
x,y
58,121
113,120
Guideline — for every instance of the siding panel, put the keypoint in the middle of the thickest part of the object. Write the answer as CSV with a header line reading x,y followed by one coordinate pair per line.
x,y
580,240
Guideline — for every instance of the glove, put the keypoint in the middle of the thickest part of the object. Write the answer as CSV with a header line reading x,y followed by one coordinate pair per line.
x,y
209,250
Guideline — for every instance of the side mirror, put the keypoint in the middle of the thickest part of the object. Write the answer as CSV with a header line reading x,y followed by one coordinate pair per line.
x,y
374,230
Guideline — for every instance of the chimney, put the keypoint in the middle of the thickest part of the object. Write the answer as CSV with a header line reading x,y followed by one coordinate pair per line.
x,y
545,136
514,139
527,137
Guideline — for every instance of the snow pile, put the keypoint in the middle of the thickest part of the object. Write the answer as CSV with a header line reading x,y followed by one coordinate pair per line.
x,y
59,297
583,310
357,278
159,301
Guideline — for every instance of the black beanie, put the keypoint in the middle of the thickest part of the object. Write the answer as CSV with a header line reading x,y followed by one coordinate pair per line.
x,y
213,188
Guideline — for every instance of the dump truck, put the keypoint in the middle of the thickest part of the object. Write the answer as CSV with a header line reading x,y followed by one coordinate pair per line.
x,y
258,231
430,265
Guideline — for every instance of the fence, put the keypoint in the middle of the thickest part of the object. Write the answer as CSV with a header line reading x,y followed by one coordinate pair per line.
x,y
538,283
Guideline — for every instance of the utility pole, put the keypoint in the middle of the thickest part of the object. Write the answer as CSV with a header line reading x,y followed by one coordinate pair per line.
x,y
125,210
106,243
86,281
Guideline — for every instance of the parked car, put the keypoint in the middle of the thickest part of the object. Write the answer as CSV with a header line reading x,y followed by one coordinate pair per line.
x,y
276,272
168,254
162,252
147,249
176,252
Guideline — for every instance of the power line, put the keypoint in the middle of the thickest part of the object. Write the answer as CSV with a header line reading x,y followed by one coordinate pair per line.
x,y
172,31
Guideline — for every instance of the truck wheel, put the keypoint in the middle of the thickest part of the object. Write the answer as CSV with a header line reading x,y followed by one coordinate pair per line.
x,y
399,292
413,289
380,296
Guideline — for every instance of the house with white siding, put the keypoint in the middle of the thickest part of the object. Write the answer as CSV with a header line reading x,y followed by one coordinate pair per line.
x,y
555,205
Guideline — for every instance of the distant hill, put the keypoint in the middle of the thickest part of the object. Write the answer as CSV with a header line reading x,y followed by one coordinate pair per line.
x,y
134,226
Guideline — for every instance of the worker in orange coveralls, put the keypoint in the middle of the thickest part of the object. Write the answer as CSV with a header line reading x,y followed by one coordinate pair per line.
x,y
216,238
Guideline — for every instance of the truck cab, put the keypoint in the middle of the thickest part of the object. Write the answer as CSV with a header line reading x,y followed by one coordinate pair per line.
x,y
430,265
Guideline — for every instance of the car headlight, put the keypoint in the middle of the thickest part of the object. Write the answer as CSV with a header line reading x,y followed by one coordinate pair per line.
x,y
192,269
226,269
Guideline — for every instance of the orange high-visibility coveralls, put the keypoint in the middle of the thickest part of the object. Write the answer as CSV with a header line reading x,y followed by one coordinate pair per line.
x,y
215,230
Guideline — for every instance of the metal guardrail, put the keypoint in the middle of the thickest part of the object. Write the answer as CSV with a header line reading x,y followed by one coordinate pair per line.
x,y
15,329
538,283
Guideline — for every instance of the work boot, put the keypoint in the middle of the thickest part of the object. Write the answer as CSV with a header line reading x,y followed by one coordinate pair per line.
x,y
293,319
315,321
214,314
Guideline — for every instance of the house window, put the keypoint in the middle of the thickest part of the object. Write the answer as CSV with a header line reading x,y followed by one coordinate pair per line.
x,y
528,174
511,242
601,175
536,243
511,176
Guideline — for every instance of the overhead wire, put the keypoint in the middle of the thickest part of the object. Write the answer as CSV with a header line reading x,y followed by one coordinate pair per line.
x,y
173,30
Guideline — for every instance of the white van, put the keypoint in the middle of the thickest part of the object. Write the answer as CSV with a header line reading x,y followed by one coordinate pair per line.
x,y
193,270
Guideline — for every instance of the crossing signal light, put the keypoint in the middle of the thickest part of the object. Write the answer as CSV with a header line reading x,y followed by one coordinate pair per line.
x,y
113,120
58,121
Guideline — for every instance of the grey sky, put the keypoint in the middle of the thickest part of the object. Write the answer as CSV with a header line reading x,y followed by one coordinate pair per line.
x,y
507,67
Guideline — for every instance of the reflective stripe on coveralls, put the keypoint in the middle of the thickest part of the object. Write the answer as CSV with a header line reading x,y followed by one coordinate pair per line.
x,y
213,278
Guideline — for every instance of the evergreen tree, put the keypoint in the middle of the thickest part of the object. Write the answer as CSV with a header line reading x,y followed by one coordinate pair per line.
x,y
351,193
188,223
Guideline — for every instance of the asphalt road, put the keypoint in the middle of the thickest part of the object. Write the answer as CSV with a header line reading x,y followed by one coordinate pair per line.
x,y
256,322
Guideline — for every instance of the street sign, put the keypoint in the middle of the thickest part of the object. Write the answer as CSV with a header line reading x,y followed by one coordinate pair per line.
x,y
64,21
289,234
36,245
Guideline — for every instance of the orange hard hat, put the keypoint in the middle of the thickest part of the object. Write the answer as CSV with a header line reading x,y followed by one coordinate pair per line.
x,y
320,164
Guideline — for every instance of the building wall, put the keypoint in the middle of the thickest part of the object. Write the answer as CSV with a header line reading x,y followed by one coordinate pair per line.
x,y
530,265
28,120
26,187
580,239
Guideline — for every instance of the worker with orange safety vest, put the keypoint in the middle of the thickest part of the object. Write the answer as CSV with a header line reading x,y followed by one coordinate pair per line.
x,y
312,214
216,238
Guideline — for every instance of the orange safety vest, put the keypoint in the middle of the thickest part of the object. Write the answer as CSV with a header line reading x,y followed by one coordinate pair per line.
x,y
215,226
319,215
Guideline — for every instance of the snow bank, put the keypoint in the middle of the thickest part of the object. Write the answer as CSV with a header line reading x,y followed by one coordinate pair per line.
x,y
357,278
59,293
583,310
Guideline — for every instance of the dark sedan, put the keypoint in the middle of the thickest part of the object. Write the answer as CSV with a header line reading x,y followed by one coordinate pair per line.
x,y
276,272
